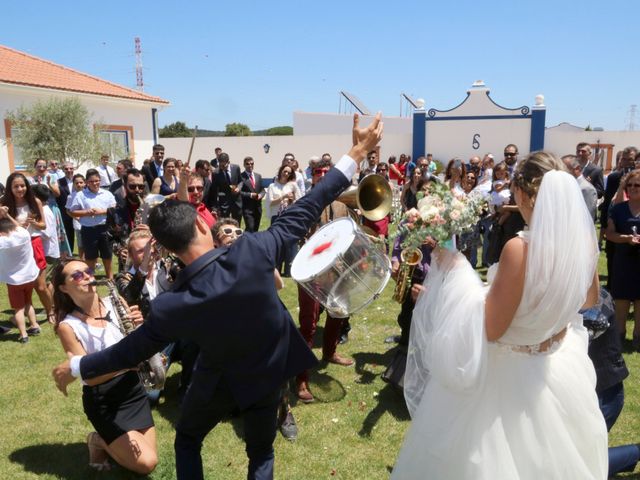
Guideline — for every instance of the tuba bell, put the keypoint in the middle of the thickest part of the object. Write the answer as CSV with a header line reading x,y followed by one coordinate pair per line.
x,y
373,197
146,204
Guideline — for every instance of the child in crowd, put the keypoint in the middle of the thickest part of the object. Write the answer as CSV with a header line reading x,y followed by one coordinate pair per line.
x,y
500,193
50,240
19,272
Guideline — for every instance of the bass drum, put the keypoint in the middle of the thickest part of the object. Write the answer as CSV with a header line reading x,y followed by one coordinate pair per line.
x,y
341,268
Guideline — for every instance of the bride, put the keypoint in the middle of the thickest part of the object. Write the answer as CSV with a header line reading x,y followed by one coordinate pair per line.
x,y
498,381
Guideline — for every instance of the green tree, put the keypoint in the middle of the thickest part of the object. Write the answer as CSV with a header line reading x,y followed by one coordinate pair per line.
x,y
175,129
236,130
284,130
57,128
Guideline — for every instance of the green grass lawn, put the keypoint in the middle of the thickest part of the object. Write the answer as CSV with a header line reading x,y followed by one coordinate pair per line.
x,y
353,431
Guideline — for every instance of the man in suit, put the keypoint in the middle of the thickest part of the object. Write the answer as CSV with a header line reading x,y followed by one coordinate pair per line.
x,y
624,166
154,169
252,194
591,172
589,192
65,185
117,186
215,161
219,296
226,188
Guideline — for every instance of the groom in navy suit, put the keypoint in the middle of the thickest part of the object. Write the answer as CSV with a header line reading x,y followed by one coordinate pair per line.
x,y
225,301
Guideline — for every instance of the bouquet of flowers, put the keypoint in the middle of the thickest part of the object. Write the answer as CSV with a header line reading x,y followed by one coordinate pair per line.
x,y
441,215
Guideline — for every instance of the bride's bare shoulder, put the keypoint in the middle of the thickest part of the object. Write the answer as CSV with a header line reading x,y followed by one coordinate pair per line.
x,y
514,252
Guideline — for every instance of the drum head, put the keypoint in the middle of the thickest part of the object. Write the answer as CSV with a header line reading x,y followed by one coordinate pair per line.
x,y
322,249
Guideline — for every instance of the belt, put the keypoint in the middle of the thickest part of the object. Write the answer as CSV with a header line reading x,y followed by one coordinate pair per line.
x,y
541,347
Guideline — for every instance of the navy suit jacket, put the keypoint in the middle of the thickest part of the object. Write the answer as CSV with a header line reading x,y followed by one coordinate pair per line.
x,y
226,302
221,189
594,175
246,190
64,194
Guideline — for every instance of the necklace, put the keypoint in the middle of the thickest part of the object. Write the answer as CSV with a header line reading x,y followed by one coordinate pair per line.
x,y
107,317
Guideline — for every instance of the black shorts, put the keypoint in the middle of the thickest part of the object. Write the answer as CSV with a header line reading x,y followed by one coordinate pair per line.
x,y
96,242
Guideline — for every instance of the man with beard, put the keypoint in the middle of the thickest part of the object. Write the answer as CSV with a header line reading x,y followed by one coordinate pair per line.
x,y
121,219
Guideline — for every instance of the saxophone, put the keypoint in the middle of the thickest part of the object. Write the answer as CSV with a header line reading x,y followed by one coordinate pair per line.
x,y
409,258
152,372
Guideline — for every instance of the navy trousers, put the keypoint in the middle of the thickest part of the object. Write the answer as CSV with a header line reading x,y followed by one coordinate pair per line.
x,y
625,457
199,416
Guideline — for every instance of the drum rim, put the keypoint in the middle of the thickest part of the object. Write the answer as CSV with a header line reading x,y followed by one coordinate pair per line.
x,y
327,267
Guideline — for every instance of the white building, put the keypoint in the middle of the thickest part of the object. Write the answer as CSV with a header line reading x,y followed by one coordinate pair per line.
x,y
128,118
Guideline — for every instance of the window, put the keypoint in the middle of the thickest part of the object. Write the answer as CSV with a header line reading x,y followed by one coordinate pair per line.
x,y
117,141
17,161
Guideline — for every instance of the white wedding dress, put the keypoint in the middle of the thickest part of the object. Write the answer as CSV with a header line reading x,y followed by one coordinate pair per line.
x,y
488,410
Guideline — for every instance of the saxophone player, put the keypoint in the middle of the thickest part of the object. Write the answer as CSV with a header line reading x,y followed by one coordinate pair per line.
x,y
121,219
115,403
418,272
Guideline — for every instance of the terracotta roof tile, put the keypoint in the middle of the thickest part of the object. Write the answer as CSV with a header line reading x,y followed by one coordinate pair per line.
x,y
20,68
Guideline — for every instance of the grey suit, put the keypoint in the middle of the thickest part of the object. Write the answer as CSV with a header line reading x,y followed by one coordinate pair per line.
x,y
590,195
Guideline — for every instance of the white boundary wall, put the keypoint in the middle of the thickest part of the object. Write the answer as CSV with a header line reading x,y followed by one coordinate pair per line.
x,y
302,146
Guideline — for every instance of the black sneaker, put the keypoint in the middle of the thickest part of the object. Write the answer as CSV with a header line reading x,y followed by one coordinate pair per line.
x,y
4,329
23,339
33,331
288,427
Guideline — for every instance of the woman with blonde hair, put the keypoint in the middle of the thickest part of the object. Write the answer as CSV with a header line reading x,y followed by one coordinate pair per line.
x,y
498,380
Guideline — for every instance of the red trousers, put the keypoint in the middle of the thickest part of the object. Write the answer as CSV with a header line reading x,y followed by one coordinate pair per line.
x,y
308,317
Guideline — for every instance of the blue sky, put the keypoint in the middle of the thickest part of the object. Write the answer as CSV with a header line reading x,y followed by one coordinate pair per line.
x,y
257,62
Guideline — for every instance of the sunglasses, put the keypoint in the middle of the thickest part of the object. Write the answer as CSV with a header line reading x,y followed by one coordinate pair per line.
x,y
229,231
320,171
79,274
633,185
192,189
381,170
510,154
135,186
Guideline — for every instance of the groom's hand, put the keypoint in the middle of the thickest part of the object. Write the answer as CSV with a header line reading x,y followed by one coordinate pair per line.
x,y
365,139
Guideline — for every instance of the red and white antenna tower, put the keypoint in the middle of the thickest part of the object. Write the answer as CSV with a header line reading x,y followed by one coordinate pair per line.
x,y
139,81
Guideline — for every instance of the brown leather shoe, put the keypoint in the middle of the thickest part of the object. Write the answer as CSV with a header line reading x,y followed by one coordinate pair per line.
x,y
303,393
338,360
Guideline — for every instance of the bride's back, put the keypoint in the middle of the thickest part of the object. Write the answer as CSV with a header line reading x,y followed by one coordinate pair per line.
x,y
560,254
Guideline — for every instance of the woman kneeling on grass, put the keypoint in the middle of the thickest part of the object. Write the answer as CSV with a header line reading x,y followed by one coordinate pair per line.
x,y
116,403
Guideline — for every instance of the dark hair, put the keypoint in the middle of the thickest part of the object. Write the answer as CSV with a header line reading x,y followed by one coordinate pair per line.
x,y
289,154
292,175
42,192
322,163
202,163
62,302
39,160
172,223
217,149
133,172
6,225
421,183
92,172
126,163
326,155
392,159
215,231
76,176
512,145
224,157
9,199
157,146
167,161
455,163
582,145
247,159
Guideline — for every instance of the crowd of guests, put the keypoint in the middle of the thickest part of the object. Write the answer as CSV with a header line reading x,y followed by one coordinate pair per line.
x,y
45,217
